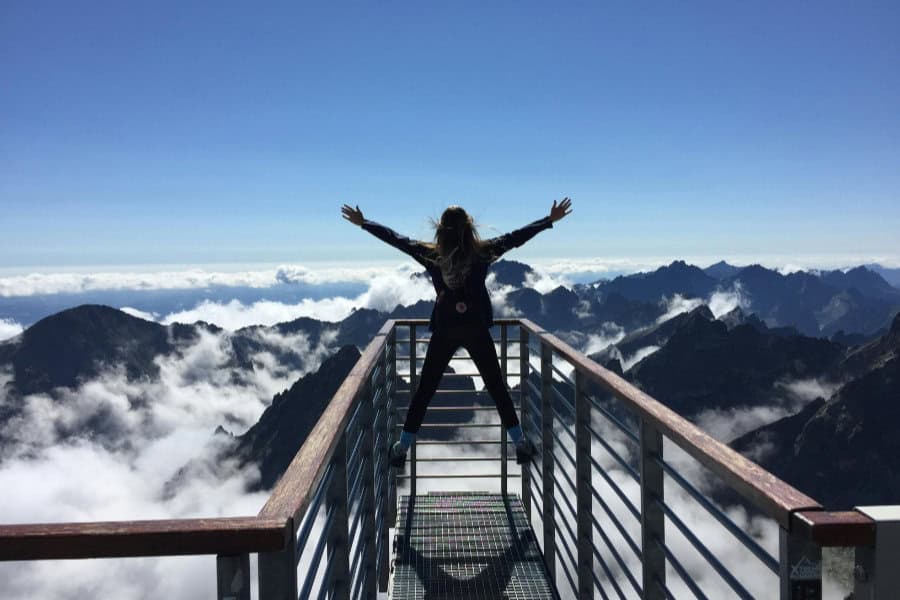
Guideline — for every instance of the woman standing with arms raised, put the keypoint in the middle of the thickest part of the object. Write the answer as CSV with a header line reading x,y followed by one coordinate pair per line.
x,y
457,261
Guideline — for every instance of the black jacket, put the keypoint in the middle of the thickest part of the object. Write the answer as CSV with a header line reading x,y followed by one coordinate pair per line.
x,y
474,293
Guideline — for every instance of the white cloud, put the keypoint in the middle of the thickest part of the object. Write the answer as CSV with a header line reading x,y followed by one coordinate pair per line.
x,y
140,314
722,302
788,397
150,430
384,294
498,294
9,329
31,284
610,333
235,314
639,355
806,390
544,281
677,305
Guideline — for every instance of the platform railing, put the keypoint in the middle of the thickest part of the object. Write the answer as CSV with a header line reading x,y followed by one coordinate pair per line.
x,y
324,531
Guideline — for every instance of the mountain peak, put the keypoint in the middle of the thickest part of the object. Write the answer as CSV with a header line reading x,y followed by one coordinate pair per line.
x,y
722,270
77,343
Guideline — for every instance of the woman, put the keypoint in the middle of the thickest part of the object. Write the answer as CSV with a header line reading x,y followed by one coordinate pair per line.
x,y
458,262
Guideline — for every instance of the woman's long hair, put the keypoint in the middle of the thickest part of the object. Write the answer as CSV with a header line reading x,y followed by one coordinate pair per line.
x,y
457,244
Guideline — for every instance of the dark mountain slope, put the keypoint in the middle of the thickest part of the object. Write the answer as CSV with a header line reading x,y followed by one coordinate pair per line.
x,y
705,365
815,305
655,335
79,343
848,452
867,282
274,440
676,278
722,270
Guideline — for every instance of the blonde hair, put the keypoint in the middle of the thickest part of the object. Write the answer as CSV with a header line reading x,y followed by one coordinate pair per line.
x,y
457,243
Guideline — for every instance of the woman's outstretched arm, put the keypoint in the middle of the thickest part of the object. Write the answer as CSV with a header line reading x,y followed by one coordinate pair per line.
x,y
514,239
414,248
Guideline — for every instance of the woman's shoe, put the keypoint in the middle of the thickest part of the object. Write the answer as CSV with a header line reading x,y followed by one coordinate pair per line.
x,y
397,455
525,450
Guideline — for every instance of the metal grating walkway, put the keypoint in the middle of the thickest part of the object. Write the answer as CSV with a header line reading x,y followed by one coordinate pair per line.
x,y
465,545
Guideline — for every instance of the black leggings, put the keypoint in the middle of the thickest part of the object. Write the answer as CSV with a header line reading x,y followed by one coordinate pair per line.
x,y
476,339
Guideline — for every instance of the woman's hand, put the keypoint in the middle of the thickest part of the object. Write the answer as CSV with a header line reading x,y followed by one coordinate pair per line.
x,y
355,216
557,212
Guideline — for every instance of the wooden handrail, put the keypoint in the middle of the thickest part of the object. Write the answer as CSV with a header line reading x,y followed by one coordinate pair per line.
x,y
294,491
269,531
116,539
830,529
770,494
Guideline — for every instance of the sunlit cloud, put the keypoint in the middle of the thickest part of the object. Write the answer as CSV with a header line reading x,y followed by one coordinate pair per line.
x,y
9,328
385,293
112,448
32,284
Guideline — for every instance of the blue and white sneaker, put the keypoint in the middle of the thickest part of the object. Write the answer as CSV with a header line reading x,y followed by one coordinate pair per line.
x,y
525,450
397,455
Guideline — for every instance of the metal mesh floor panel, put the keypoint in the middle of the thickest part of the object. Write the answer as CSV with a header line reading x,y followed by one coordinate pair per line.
x,y
466,546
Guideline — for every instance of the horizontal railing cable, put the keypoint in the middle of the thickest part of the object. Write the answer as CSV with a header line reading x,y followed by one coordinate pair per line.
x,y
617,457
313,566
682,572
719,568
752,545
614,420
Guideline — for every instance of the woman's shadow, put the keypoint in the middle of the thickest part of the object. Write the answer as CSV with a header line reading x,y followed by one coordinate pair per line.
x,y
475,564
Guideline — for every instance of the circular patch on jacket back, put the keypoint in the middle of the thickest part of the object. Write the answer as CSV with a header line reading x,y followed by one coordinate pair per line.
x,y
461,307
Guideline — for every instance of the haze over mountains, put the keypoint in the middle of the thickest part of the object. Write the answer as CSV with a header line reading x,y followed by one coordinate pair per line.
x,y
798,367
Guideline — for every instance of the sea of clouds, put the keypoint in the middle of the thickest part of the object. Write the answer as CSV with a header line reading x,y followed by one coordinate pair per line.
x,y
111,448
153,428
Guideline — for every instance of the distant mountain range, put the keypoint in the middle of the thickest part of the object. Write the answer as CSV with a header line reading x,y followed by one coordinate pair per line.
x,y
833,325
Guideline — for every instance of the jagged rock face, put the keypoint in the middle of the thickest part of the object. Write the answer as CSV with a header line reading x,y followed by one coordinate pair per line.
x,y
510,272
843,453
655,335
818,305
676,278
722,270
630,314
281,430
865,281
705,365
79,343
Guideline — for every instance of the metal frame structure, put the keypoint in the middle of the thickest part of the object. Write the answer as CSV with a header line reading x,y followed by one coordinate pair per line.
x,y
323,533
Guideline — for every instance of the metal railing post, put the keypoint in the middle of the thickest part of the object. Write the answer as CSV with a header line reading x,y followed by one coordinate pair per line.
x,y
653,524
583,483
367,505
547,476
278,571
338,535
800,567
523,411
385,427
503,440
413,384
876,574
233,577
391,428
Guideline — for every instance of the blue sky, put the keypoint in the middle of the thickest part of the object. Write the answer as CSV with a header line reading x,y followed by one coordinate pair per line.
x,y
199,133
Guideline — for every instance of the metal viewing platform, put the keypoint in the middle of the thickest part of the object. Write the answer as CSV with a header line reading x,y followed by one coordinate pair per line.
x,y
479,546
624,500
